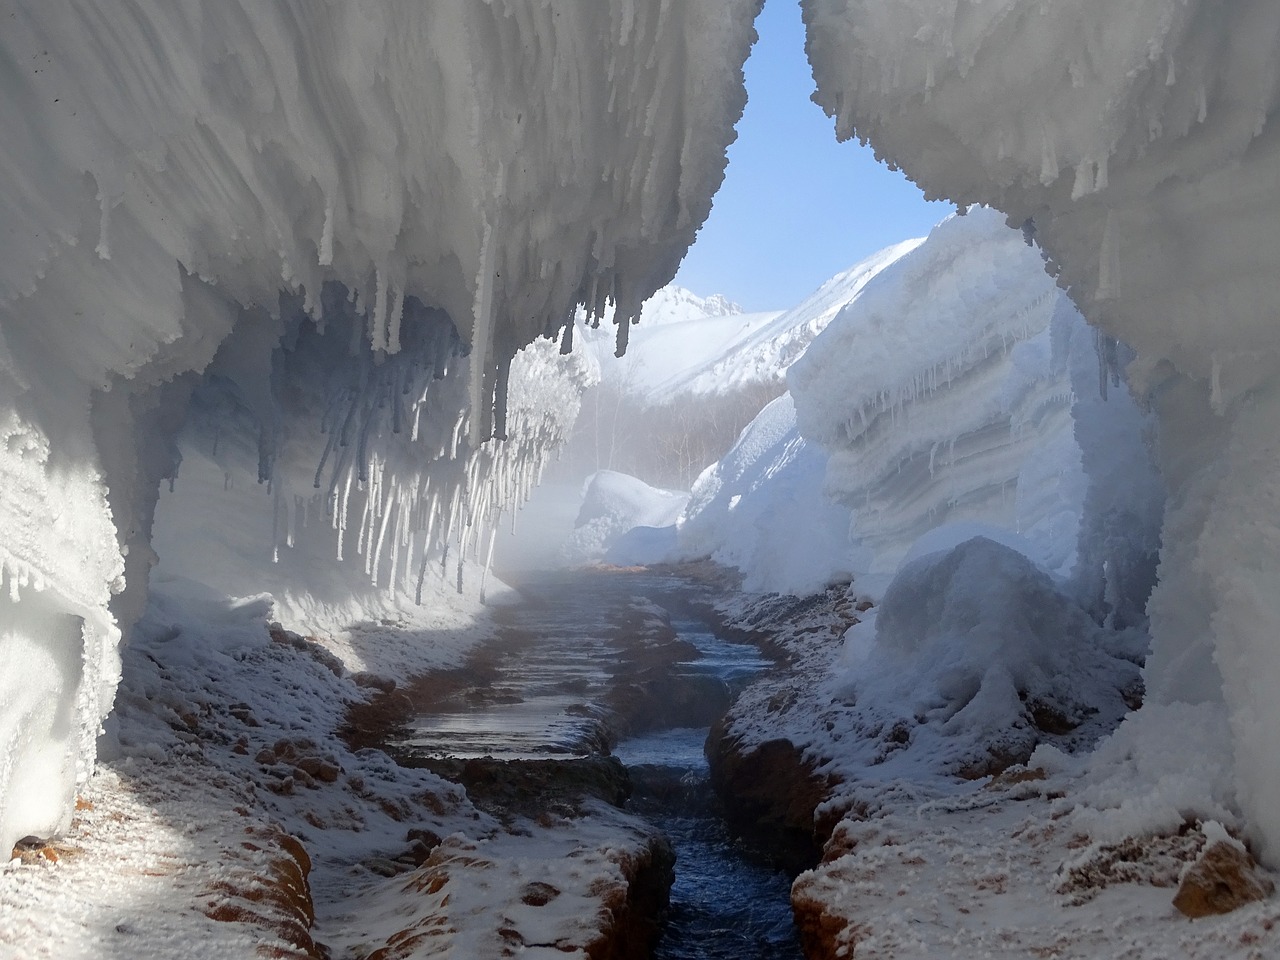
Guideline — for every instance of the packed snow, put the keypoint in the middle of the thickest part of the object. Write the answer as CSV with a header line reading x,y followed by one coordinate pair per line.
x,y
614,505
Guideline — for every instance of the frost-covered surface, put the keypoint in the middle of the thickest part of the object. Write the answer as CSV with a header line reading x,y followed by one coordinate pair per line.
x,y
957,392
939,386
321,209
1076,854
1141,148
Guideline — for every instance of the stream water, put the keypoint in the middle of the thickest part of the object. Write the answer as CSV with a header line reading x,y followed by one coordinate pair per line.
x,y
548,695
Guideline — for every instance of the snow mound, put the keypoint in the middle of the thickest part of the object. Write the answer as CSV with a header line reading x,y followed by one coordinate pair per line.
x,y
612,505
975,656
761,509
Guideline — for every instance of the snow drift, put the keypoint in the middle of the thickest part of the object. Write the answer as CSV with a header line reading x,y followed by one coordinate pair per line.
x,y
761,509
1140,146
204,203
615,505
975,657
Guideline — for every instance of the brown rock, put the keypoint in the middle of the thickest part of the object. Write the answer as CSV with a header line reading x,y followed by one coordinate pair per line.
x,y
824,935
277,900
770,792
1224,878
319,768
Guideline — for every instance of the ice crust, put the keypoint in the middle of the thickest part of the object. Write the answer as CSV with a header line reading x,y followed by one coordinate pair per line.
x,y
200,199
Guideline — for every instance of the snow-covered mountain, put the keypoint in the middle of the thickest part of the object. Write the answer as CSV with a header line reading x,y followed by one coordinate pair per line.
x,y
686,345
764,353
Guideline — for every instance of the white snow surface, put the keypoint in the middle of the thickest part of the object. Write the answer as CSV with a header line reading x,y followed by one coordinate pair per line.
x,y
761,509
956,393
615,505
690,346
176,841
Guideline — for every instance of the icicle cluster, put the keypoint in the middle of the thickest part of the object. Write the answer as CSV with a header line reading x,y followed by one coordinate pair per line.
x,y
377,447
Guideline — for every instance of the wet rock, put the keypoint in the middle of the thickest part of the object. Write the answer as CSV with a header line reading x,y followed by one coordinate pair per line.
x,y
32,850
634,908
1224,878
538,894
418,852
383,867
769,793
244,713
428,838
373,681
824,933
657,699
532,787
283,787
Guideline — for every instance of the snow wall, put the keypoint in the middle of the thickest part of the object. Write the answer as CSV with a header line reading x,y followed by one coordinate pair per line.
x,y
959,392
1138,144
296,246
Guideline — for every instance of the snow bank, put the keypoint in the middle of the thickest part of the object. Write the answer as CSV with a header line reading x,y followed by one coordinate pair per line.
x,y
933,393
210,183
1140,148
761,509
956,392
762,353
617,506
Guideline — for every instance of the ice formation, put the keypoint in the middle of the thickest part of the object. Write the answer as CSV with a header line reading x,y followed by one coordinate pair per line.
x,y
289,220
1138,145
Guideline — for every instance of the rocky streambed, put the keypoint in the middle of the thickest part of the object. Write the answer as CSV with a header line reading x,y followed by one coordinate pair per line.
x,y
600,689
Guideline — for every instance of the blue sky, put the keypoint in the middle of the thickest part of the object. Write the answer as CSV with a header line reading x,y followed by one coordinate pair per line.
x,y
796,207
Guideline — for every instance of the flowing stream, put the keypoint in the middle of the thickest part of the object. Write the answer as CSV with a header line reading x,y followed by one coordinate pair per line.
x,y
552,692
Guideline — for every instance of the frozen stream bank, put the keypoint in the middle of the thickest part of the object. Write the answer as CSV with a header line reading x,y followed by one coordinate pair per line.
x,y
616,671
